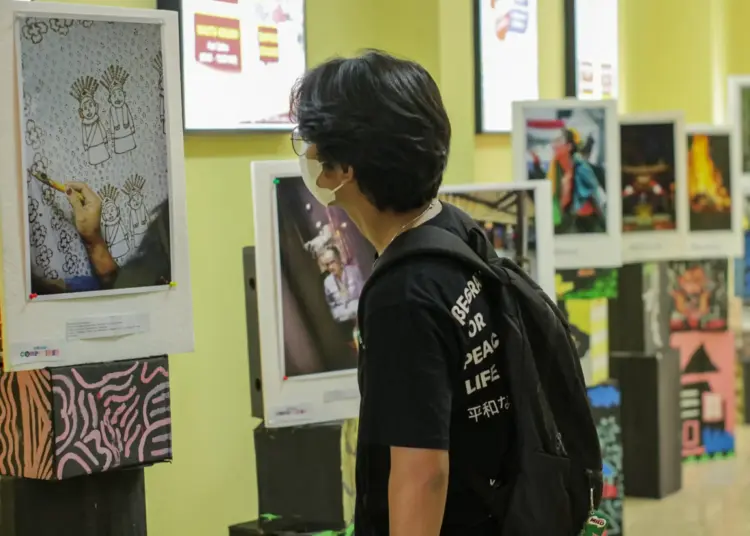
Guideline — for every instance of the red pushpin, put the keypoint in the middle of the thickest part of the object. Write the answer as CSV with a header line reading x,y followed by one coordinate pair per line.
x,y
286,378
33,295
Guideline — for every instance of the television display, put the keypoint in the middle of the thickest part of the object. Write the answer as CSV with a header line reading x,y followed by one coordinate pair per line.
x,y
506,58
240,60
592,49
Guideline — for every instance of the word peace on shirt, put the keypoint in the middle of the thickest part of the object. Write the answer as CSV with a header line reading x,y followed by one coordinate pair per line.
x,y
483,373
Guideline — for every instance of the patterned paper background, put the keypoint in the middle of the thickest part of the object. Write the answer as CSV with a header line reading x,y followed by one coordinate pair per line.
x,y
65,64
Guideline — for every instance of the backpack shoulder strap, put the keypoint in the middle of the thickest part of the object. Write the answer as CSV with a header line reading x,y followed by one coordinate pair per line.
x,y
432,240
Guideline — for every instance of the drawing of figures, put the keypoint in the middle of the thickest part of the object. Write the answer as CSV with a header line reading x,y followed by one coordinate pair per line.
x,y
157,63
120,119
93,135
138,218
115,234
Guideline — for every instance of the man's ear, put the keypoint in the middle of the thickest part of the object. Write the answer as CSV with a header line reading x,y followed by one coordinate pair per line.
x,y
347,171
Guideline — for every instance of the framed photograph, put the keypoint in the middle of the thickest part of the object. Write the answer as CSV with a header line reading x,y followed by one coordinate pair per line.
x,y
738,100
654,205
592,49
314,264
506,50
518,221
715,195
95,206
240,60
575,146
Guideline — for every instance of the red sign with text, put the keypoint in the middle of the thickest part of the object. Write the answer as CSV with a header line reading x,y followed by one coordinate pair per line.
x,y
217,42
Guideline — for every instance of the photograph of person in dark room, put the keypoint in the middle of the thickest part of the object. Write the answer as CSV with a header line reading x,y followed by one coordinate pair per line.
x,y
324,263
151,265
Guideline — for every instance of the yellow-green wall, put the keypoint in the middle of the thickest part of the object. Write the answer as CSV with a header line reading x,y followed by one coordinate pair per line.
x,y
211,483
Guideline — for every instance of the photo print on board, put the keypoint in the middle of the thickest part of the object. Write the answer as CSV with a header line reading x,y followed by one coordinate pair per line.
x,y
507,217
95,153
699,295
567,147
709,182
324,263
647,160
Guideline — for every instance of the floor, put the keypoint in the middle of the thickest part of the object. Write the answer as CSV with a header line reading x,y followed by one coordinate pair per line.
x,y
714,500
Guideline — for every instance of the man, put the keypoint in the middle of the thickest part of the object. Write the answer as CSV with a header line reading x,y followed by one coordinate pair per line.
x,y
342,285
373,139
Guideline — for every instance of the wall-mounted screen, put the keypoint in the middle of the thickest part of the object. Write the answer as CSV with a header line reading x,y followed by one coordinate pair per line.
x,y
507,60
591,49
240,59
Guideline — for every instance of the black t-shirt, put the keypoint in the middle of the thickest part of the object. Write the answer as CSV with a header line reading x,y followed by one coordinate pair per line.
x,y
431,376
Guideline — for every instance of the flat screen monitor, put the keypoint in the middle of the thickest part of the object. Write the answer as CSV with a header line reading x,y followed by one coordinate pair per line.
x,y
240,60
592,49
506,60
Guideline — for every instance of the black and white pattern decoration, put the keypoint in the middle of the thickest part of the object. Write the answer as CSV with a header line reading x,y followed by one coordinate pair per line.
x,y
93,112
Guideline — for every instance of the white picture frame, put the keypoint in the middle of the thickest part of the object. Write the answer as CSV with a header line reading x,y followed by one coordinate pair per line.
x,y
47,332
707,244
587,250
545,251
738,117
658,245
316,398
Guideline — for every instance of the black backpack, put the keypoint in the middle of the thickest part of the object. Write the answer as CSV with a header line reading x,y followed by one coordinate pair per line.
x,y
555,480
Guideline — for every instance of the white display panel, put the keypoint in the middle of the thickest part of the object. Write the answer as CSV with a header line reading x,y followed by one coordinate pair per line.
x,y
240,60
596,48
575,145
653,161
715,193
507,60
116,324
529,235
304,374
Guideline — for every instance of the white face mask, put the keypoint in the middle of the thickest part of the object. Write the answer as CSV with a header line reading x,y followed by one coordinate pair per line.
x,y
311,170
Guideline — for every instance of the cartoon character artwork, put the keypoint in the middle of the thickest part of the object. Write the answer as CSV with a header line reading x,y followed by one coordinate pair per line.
x,y
93,135
138,218
699,295
121,124
645,198
159,66
113,229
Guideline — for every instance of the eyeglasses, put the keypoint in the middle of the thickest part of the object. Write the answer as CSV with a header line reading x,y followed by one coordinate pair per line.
x,y
299,145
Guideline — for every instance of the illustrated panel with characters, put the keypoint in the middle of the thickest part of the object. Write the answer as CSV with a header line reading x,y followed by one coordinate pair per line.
x,y
94,152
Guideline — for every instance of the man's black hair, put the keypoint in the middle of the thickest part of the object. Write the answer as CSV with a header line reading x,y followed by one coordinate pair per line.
x,y
382,116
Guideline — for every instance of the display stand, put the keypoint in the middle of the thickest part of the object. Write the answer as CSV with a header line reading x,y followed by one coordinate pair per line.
x,y
651,439
73,441
112,504
605,408
305,473
648,372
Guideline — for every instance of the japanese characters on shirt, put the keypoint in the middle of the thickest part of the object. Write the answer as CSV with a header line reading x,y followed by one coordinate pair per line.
x,y
480,369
